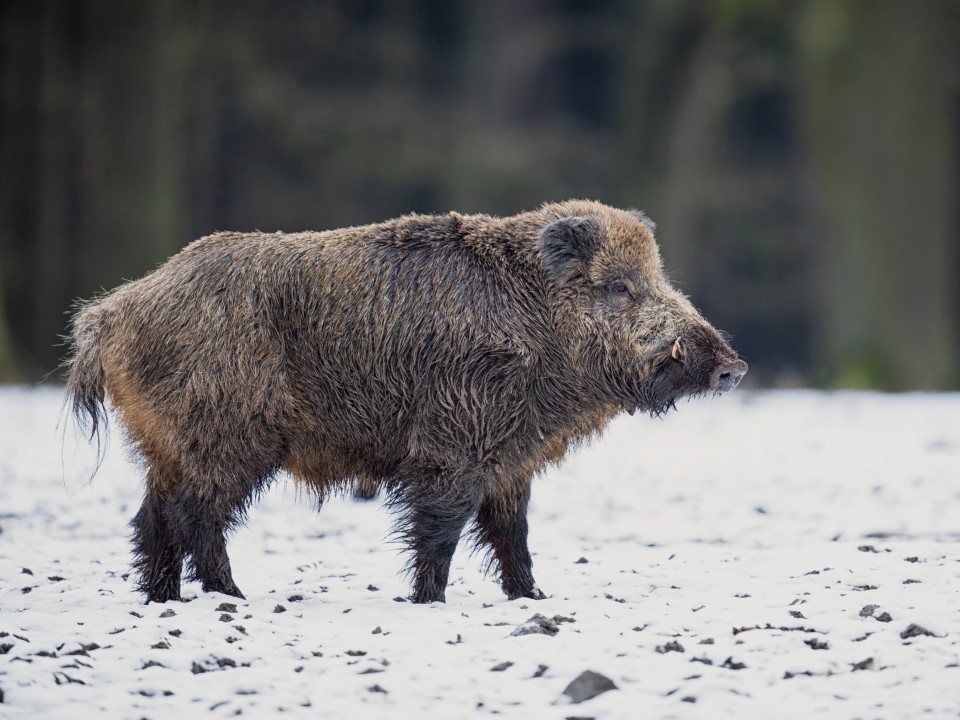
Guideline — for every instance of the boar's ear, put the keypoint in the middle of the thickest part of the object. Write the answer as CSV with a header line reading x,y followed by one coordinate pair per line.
x,y
644,218
566,246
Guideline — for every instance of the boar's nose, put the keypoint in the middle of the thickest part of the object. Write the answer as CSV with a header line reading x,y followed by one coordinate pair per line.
x,y
727,375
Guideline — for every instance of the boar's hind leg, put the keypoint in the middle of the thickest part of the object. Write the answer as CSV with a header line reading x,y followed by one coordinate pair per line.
x,y
437,514
200,514
156,557
502,526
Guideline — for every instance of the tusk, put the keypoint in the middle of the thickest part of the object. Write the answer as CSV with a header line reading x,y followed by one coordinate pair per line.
x,y
677,352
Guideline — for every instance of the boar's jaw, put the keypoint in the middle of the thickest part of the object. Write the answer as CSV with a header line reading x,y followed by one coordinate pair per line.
x,y
683,370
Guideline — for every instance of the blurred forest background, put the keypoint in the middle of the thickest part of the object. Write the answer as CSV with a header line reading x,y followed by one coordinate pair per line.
x,y
802,159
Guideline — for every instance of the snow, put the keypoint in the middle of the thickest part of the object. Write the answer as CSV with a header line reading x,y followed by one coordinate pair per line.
x,y
728,551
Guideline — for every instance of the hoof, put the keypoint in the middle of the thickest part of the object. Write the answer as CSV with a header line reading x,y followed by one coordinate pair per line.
x,y
425,598
224,588
533,593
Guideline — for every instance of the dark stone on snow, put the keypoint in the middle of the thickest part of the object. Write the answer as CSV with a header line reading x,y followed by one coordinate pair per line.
x,y
227,608
868,610
914,630
672,646
587,685
536,625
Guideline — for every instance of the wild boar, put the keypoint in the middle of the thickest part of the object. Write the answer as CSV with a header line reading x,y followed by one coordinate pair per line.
x,y
443,360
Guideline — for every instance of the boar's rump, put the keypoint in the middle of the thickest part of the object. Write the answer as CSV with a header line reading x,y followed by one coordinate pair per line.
x,y
443,360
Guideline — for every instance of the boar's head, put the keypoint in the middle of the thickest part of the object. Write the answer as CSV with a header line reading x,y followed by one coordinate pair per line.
x,y
638,341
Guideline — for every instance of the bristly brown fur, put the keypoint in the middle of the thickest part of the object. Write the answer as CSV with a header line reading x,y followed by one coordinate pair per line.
x,y
445,360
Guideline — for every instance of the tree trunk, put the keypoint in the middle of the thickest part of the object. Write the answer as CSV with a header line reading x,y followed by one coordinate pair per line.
x,y
877,107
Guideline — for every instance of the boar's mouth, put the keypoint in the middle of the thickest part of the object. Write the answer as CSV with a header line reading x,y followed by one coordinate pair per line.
x,y
691,374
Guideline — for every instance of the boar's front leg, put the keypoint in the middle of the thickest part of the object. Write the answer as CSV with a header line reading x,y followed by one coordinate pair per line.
x,y
438,508
502,526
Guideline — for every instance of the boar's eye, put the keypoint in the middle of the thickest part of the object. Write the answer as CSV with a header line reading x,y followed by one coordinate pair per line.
x,y
621,288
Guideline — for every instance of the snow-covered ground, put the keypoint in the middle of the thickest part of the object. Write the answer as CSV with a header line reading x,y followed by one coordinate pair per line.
x,y
788,554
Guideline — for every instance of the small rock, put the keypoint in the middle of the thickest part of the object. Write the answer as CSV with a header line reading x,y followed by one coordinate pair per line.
x,y
295,598
912,558
500,667
279,609
688,699
586,685
399,599
356,653
376,689
377,630
536,625
175,633
61,678
226,618
798,615
672,646
867,664
731,664
914,630
198,668
227,608
883,617
868,610
165,614
817,644
26,571
372,588
162,645
868,548
581,561
541,669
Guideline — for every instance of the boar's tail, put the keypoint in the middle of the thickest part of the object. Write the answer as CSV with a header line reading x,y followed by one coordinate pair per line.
x,y
86,379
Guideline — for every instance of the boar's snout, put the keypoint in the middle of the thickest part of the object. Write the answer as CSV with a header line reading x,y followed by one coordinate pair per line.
x,y
727,375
